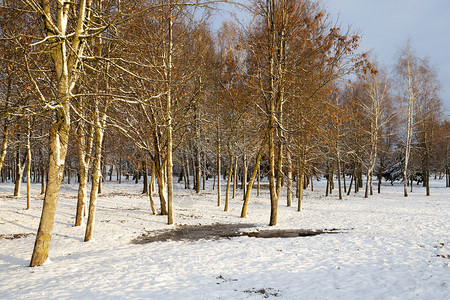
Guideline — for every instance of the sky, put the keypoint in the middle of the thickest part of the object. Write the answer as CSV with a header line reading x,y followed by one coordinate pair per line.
x,y
386,26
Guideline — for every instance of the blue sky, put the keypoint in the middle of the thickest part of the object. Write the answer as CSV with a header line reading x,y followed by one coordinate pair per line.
x,y
386,26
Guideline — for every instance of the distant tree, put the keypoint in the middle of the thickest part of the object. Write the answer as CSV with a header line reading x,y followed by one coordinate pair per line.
x,y
418,90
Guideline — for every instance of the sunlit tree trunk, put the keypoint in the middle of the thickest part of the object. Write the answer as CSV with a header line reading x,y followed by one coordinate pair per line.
x,y
84,146
169,125
4,144
235,176
59,138
219,166
339,173
151,189
65,57
289,180
96,171
252,180
28,164
20,167
230,172
409,83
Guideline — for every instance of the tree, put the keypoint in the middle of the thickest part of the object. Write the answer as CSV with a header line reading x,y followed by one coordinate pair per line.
x,y
377,93
418,89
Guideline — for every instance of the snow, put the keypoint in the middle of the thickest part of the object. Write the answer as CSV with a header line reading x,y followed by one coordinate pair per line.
x,y
390,247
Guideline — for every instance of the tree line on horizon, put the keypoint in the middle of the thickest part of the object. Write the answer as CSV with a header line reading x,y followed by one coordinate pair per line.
x,y
148,88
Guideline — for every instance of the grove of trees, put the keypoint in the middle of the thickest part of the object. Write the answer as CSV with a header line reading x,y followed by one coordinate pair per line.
x,y
90,89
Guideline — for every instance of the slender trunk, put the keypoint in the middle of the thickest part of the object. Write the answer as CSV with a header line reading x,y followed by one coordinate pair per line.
x,y
366,194
427,169
84,150
351,182
169,174
204,172
161,187
100,183
343,179
151,189
145,174
252,180
4,146
279,166
289,180
159,170
259,179
379,182
339,176
272,187
230,172
198,171
120,170
244,175
96,174
219,166
188,173
331,178
235,179
410,123
69,175
371,184
20,167
43,178
28,165
301,176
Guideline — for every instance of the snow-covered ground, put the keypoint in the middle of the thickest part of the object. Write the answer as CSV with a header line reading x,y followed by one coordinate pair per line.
x,y
391,248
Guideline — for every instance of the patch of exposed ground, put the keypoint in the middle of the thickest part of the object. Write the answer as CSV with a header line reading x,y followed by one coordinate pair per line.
x,y
221,231
265,292
14,236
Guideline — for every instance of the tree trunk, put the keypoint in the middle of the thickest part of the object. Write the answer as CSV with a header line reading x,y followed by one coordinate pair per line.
x,y
272,184
198,171
244,175
352,178
161,192
289,180
230,172
151,189
252,181
339,176
96,174
4,146
28,165
84,151
301,176
188,173
59,140
204,171
235,177
20,167
43,177
219,166
145,174
343,180
259,180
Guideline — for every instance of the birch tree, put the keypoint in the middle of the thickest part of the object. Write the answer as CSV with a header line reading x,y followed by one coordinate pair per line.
x,y
414,80
377,92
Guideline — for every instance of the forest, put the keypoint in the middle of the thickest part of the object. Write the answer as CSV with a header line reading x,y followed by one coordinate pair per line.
x,y
114,90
